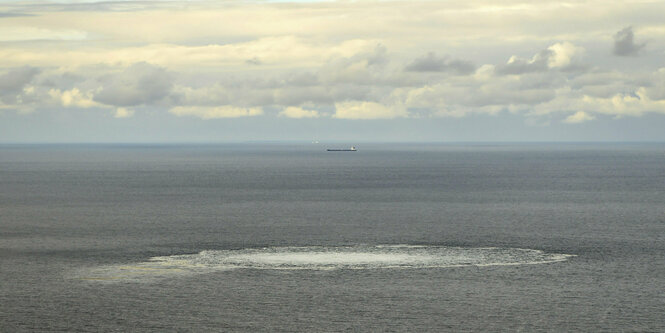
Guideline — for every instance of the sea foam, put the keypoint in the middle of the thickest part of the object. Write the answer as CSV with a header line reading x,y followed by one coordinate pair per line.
x,y
401,256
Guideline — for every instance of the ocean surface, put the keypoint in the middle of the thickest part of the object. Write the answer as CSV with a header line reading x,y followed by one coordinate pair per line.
x,y
291,238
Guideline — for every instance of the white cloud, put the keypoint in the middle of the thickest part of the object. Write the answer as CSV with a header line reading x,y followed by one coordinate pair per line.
x,y
298,113
123,113
367,110
206,112
632,104
73,98
484,73
578,117
273,51
563,54
424,97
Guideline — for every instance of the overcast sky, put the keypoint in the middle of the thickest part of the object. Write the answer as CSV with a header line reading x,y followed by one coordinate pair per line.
x,y
215,71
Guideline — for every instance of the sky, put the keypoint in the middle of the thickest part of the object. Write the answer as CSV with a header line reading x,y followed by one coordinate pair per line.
x,y
371,71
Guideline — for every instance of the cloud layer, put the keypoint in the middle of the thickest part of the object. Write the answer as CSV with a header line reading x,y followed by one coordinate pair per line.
x,y
334,60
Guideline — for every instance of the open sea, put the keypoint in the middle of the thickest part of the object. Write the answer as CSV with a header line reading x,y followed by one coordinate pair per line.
x,y
291,238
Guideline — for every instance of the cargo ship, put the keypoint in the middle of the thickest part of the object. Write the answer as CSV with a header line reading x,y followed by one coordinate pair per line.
x,y
353,148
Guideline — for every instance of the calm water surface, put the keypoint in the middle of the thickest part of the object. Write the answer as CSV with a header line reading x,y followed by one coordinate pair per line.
x,y
531,237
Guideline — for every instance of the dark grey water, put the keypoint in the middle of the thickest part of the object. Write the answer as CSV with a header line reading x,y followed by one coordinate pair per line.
x,y
292,238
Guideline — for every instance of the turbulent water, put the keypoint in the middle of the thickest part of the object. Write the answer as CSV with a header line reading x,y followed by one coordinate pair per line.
x,y
321,258
248,237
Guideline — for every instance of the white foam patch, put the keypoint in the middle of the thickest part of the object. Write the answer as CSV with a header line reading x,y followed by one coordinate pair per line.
x,y
401,256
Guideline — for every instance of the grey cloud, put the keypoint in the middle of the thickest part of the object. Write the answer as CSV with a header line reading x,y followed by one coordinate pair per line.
x,y
251,98
14,80
302,79
605,84
209,95
596,78
499,95
10,14
603,91
362,68
656,88
378,57
602,84
293,96
545,80
140,83
624,43
467,93
345,92
66,81
656,93
254,61
433,63
576,68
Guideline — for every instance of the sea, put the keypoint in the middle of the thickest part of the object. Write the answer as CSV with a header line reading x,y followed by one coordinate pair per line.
x,y
287,237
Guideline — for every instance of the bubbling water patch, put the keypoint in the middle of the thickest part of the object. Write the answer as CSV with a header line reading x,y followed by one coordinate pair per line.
x,y
321,258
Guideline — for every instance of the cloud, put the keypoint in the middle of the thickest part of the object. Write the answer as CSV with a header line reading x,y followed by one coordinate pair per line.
x,y
517,65
138,84
123,113
205,112
367,110
423,22
10,14
562,56
15,79
578,117
208,95
422,97
364,67
656,87
366,85
471,94
280,51
624,43
632,104
352,62
543,61
433,63
254,61
298,113
17,89
26,33
73,98
635,103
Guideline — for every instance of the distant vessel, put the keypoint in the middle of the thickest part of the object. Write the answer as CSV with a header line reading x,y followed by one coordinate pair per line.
x,y
353,148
